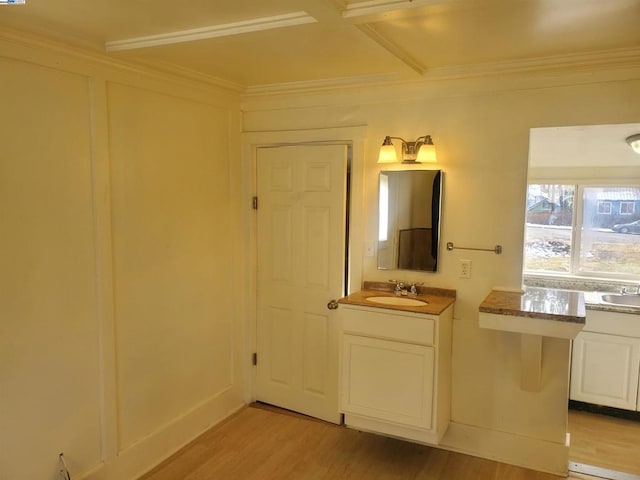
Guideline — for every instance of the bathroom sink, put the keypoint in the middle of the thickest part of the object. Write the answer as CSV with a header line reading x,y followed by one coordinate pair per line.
x,y
617,299
398,301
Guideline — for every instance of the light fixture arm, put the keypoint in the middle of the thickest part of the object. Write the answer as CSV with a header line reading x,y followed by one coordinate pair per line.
x,y
410,150
410,147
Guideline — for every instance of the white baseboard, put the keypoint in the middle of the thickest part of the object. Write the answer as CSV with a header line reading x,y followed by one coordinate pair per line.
x,y
144,455
536,454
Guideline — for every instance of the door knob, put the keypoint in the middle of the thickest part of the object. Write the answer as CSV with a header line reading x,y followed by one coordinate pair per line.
x,y
332,305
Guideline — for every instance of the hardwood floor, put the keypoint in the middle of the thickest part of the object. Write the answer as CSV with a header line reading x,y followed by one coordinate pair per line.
x,y
269,444
604,441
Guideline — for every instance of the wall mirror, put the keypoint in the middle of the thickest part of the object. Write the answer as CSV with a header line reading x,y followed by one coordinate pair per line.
x,y
409,219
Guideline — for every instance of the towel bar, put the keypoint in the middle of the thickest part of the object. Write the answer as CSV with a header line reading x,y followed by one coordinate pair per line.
x,y
497,249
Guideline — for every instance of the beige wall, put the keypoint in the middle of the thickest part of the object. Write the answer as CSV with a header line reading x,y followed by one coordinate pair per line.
x,y
481,131
119,341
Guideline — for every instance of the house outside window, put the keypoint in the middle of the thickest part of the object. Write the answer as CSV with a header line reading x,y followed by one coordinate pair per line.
x,y
583,230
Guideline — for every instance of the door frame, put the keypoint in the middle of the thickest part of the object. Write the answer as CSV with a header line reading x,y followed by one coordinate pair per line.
x,y
355,137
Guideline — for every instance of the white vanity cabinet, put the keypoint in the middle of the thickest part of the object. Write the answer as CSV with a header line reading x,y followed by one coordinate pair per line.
x,y
396,372
605,365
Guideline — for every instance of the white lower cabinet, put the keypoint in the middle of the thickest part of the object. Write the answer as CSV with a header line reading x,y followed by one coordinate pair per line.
x,y
605,369
373,386
396,372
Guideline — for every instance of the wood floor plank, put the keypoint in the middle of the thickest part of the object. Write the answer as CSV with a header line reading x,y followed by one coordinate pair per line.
x,y
604,441
263,444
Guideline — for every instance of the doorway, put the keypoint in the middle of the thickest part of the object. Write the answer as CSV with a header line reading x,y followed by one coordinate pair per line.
x,y
301,261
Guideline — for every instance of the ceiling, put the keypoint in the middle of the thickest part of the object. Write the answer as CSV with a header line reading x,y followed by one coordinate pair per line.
x,y
583,146
263,43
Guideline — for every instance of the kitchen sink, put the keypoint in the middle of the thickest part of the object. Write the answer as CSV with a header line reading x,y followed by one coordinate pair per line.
x,y
619,299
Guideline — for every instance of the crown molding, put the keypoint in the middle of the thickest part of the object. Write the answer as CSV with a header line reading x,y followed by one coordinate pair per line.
x,y
187,73
155,70
212,31
575,63
599,60
309,86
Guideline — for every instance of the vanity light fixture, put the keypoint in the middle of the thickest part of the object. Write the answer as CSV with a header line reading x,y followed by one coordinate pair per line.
x,y
422,150
634,142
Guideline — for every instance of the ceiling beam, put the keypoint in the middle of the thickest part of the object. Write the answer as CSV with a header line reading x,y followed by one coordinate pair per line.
x,y
376,10
392,48
213,31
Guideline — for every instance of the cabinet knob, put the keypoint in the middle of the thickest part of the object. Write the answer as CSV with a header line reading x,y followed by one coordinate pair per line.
x,y
332,305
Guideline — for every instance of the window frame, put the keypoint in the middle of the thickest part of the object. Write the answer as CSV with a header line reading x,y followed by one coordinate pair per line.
x,y
580,184
632,210
602,203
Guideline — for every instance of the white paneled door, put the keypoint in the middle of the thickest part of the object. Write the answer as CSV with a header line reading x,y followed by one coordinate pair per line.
x,y
301,231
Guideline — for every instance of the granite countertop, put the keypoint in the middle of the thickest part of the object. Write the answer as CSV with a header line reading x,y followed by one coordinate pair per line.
x,y
438,299
592,289
537,303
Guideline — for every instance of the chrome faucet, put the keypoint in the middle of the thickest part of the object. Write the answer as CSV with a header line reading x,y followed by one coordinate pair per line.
x,y
401,287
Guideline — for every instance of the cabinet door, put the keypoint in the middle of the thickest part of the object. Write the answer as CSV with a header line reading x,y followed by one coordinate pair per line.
x,y
388,380
604,370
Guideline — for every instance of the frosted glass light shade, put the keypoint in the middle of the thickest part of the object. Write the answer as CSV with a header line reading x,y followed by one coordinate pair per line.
x,y
387,154
427,153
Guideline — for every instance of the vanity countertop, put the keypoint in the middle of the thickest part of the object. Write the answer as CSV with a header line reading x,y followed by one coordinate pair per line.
x,y
438,299
537,303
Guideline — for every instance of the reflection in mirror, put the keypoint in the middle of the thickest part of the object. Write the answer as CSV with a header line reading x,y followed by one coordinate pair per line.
x,y
409,219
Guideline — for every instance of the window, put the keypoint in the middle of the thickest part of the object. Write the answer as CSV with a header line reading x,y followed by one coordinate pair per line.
x,y
627,208
597,235
604,208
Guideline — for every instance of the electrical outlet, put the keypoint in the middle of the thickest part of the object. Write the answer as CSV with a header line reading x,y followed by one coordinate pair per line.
x,y
465,269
